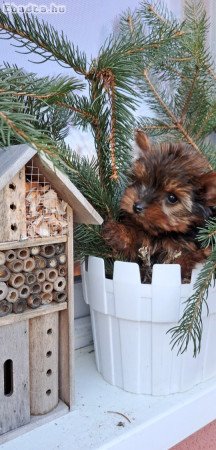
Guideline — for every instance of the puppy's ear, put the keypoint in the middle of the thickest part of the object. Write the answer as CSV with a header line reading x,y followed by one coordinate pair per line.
x,y
208,183
142,141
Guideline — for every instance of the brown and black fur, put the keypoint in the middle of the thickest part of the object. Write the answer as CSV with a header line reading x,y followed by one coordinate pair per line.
x,y
168,230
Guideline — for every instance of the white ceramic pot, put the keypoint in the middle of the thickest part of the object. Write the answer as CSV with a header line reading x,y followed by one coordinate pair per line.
x,y
130,321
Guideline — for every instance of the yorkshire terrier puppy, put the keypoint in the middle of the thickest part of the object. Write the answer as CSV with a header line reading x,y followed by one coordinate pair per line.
x,y
171,194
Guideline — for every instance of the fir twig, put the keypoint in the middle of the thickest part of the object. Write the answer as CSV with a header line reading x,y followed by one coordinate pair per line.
x,y
190,326
170,114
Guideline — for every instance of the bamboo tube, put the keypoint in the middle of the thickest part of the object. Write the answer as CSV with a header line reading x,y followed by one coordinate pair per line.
x,y
30,278
12,295
23,253
47,251
47,286
28,264
46,298
40,263
51,275
2,258
60,297
15,266
40,275
3,290
62,271
20,306
4,273
34,301
10,255
35,251
62,258
59,248
36,288
52,262
59,284
24,291
16,280
5,308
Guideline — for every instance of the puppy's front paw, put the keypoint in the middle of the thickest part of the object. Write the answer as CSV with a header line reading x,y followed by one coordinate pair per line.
x,y
117,236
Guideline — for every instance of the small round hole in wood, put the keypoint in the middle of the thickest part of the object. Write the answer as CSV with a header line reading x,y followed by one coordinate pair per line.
x,y
49,372
52,275
49,250
48,354
24,291
49,331
17,266
23,253
18,280
20,308
11,256
41,276
31,278
48,392
12,186
13,206
14,227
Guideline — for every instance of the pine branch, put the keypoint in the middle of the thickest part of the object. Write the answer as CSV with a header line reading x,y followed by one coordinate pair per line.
x,y
169,113
207,235
189,95
88,240
42,39
15,82
85,175
81,107
190,326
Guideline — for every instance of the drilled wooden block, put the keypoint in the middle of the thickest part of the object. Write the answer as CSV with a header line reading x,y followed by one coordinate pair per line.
x,y
44,337
12,207
14,376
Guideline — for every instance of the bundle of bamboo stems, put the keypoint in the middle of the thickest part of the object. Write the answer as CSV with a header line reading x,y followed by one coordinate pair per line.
x,y
31,277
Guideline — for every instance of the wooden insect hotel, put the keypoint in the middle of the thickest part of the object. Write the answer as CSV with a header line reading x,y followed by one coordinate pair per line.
x,y
38,207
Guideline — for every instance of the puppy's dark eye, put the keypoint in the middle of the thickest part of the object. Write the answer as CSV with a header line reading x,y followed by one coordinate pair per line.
x,y
172,198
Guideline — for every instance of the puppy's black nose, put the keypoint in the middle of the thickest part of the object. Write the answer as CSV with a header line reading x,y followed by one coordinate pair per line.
x,y
138,207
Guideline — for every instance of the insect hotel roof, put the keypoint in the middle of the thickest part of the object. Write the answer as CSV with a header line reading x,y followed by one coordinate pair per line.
x,y
14,158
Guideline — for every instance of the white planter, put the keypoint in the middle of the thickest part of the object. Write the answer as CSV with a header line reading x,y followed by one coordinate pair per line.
x,y
130,321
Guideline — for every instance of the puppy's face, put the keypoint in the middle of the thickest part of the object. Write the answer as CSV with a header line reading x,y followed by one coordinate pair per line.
x,y
172,188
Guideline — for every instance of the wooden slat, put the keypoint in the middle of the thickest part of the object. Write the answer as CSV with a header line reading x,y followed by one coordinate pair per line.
x,y
35,422
12,160
82,210
12,207
31,313
14,405
32,242
43,364
66,330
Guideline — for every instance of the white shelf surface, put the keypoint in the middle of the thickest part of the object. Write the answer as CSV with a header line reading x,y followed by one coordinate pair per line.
x,y
156,423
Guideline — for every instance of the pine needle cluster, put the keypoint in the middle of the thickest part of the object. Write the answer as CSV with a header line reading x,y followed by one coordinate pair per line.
x,y
152,58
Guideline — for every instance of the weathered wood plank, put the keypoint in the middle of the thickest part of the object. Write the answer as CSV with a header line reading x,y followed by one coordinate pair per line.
x,y
66,329
31,313
12,207
12,160
43,361
32,242
14,383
